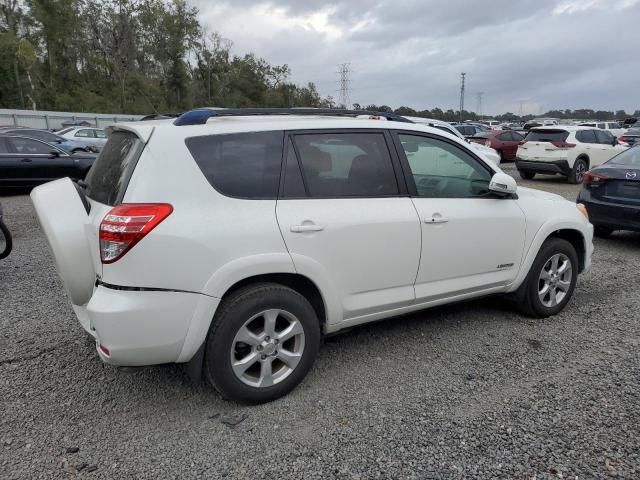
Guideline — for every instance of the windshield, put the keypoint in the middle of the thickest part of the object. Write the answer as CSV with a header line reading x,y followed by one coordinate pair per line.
x,y
628,158
547,136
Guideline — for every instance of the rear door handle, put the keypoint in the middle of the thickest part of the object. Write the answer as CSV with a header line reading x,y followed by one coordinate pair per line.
x,y
306,228
436,219
26,160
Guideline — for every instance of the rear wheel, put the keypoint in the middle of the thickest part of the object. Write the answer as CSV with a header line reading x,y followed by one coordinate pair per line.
x,y
526,174
263,341
580,167
602,232
551,280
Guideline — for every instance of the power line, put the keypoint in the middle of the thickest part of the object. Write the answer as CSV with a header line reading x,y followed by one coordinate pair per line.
x,y
462,75
479,109
344,70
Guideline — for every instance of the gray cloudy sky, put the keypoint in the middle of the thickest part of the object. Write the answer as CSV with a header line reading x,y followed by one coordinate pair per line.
x,y
548,53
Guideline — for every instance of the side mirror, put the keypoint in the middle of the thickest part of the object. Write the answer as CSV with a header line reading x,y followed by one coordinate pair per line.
x,y
54,153
503,184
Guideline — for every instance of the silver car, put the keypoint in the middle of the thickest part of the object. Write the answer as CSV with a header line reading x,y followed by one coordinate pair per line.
x,y
94,138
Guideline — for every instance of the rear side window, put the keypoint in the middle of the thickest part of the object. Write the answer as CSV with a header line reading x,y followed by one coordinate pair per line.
x,y
346,165
4,148
586,136
244,165
547,135
110,173
604,137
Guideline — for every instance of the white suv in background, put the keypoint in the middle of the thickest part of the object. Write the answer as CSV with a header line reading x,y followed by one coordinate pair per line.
x,y
232,241
614,127
567,150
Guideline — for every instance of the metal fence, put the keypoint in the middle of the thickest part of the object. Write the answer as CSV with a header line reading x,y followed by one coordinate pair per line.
x,y
53,120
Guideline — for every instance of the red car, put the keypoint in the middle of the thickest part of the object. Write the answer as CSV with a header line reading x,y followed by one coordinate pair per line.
x,y
505,142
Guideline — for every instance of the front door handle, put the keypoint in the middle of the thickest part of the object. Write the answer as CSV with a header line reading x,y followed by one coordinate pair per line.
x,y
26,160
436,218
306,228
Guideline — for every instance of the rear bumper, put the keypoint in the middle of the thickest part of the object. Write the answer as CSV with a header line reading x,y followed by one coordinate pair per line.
x,y
612,215
146,327
555,166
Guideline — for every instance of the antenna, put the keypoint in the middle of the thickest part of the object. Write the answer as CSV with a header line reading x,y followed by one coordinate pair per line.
x,y
479,109
344,70
462,75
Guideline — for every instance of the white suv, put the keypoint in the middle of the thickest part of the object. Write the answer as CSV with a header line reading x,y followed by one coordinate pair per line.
x,y
567,150
232,241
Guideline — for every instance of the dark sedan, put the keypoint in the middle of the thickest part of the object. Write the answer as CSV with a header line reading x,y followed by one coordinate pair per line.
x,y
611,193
67,145
504,142
27,162
631,136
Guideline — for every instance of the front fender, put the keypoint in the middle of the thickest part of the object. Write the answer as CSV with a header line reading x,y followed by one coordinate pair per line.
x,y
545,231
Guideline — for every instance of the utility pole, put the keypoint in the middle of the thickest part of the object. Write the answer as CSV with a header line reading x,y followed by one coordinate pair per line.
x,y
479,109
521,105
344,70
462,75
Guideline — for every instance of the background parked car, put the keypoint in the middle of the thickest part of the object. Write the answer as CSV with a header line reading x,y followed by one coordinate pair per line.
x,y
469,130
504,142
630,122
611,193
68,145
94,138
631,136
567,150
27,162
614,127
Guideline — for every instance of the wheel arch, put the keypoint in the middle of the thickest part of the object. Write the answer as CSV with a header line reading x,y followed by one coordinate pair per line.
x,y
575,238
585,157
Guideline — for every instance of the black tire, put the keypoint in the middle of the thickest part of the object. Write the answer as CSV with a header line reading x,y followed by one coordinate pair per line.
x,y
526,174
602,232
8,243
531,304
580,166
232,315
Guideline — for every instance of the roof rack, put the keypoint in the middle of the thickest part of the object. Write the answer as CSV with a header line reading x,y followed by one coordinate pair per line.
x,y
199,116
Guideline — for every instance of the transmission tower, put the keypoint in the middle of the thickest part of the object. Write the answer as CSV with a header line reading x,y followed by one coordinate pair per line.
x,y
462,75
479,109
344,70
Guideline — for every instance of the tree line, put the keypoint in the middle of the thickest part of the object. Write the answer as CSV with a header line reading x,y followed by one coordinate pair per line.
x,y
151,56
130,56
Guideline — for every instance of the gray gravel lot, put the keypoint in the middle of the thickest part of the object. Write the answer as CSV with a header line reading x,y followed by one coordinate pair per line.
x,y
472,390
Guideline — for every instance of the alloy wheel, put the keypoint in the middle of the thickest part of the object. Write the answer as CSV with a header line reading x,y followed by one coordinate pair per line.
x,y
267,348
554,281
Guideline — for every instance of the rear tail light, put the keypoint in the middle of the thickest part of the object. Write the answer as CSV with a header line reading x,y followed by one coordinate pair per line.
x,y
593,179
562,144
127,224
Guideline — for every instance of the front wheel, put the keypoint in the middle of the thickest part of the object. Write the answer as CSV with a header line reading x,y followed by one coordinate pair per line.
x,y
577,172
263,341
551,280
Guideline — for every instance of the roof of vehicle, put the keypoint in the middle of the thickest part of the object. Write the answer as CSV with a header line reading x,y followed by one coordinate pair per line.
x,y
253,123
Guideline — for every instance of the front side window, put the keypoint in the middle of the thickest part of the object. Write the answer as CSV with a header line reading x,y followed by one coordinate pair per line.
x,y
99,134
27,146
346,165
243,165
443,170
83,133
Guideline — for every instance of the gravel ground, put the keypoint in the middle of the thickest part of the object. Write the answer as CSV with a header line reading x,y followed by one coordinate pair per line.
x,y
472,390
